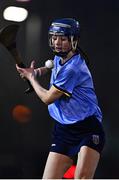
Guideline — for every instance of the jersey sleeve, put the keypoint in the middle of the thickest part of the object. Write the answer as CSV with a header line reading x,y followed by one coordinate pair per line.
x,y
65,81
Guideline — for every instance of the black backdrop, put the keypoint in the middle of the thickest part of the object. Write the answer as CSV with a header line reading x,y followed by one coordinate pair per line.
x,y
24,146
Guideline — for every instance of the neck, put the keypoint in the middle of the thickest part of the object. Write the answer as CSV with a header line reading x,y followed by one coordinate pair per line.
x,y
69,55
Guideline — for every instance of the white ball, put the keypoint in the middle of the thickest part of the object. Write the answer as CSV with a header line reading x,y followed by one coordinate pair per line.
x,y
49,64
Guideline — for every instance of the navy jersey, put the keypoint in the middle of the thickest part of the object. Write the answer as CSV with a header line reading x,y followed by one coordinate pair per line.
x,y
79,101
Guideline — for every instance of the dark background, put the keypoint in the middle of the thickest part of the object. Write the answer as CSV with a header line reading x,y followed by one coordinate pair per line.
x,y
24,146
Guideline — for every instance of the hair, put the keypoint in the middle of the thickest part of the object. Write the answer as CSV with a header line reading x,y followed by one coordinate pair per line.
x,y
83,55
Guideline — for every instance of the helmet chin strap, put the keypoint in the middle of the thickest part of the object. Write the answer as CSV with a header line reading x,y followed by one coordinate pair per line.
x,y
62,54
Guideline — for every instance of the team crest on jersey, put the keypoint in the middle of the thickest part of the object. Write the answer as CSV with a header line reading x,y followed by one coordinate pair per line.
x,y
95,139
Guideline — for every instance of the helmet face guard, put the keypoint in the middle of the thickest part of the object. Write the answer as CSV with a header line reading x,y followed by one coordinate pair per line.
x,y
64,27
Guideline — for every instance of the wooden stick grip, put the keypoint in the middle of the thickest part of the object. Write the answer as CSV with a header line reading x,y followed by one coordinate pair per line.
x,y
16,56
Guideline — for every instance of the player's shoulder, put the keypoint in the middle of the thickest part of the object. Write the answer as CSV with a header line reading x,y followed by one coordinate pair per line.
x,y
76,62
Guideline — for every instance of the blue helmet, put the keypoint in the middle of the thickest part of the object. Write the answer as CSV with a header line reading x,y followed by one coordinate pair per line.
x,y
65,27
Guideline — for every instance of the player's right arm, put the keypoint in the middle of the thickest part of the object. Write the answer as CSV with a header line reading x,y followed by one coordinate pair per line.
x,y
46,96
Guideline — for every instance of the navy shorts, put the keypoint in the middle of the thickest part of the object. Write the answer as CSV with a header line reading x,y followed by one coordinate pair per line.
x,y
68,139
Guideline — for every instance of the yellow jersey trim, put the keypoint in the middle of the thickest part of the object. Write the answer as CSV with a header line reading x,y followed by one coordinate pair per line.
x,y
60,90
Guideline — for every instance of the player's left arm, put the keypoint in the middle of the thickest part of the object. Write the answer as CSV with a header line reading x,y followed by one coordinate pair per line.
x,y
42,71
